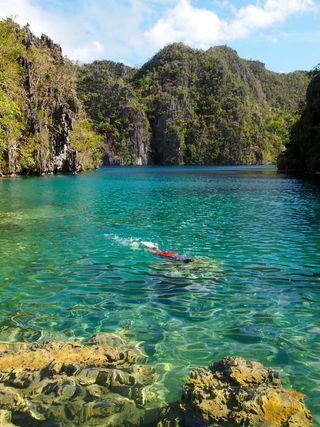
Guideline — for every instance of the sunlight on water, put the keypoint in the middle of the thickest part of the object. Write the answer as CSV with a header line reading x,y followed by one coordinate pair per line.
x,y
76,259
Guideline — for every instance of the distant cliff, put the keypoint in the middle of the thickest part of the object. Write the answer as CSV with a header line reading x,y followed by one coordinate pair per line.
x,y
117,111
43,127
188,106
303,151
184,106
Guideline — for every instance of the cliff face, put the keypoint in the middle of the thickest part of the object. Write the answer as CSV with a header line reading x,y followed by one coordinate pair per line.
x,y
303,151
184,106
192,107
169,113
116,111
215,108
38,106
54,125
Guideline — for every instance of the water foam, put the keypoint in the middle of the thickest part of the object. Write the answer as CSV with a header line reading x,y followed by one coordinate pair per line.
x,y
132,242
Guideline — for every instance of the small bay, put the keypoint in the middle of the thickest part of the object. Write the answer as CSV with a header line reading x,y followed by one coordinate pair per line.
x,y
73,263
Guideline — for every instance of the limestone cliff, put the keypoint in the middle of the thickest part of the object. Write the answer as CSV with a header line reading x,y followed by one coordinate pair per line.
x,y
184,106
116,111
38,106
191,107
303,151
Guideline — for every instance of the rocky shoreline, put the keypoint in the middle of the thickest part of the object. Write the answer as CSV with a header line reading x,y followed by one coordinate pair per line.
x,y
106,382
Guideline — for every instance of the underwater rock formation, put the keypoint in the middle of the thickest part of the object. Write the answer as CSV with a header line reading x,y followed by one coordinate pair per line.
x,y
105,382
71,383
238,392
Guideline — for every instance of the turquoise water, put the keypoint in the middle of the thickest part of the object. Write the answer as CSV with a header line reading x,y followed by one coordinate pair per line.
x,y
72,262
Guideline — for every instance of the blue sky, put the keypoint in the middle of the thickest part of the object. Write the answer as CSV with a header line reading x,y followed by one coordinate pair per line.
x,y
284,34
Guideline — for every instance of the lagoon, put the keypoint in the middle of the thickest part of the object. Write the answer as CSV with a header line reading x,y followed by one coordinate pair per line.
x,y
73,264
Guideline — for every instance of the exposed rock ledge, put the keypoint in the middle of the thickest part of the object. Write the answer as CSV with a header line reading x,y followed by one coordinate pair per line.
x,y
72,384
105,382
238,392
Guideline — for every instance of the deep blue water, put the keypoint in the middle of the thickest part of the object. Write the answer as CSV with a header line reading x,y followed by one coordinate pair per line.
x,y
73,263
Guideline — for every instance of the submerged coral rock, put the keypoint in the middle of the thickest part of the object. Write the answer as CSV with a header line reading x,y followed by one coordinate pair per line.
x,y
70,383
238,392
105,382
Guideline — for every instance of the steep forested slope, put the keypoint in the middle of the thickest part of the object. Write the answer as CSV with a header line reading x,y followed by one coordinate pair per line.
x,y
184,106
190,106
43,127
117,111
303,151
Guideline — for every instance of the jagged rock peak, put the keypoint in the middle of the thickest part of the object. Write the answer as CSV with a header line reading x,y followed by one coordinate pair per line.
x,y
42,132
29,39
54,47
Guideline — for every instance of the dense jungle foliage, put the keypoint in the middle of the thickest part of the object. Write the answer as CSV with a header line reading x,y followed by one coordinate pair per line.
x,y
184,106
188,106
303,150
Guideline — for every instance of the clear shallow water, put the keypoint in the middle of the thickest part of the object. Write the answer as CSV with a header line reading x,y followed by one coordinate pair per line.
x,y
72,262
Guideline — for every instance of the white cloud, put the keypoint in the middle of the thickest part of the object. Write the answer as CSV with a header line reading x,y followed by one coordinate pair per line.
x,y
54,25
203,28
96,29
188,24
253,17
114,29
25,11
88,51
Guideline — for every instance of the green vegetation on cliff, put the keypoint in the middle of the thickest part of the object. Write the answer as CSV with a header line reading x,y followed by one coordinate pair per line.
x,y
189,106
303,150
184,106
116,111
39,109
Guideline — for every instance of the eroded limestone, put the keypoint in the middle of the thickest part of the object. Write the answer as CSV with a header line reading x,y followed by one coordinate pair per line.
x,y
105,381
237,392
98,383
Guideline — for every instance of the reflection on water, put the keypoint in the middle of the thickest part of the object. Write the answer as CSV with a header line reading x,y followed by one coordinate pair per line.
x,y
73,262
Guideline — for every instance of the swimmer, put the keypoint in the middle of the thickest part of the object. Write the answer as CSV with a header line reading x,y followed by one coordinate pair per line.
x,y
173,255
153,248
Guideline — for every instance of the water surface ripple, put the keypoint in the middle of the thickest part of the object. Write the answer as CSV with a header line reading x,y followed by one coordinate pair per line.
x,y
72,263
